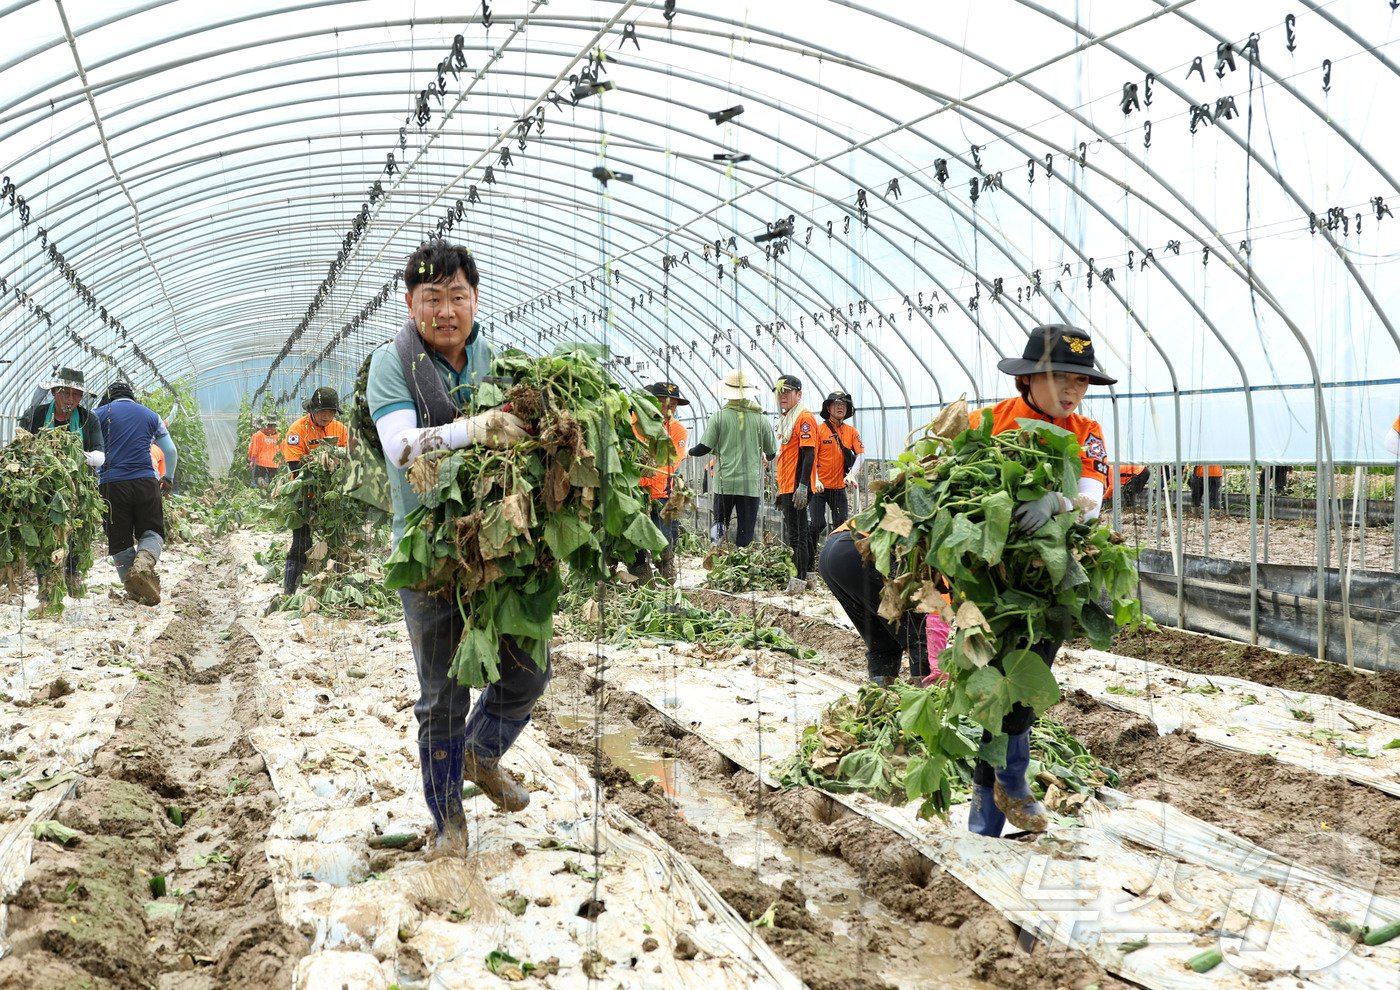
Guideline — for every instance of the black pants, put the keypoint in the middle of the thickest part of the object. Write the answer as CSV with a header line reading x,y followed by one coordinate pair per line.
x,y
857,586
296,558
746,506
1279,474
796,534
1020,718
132,508
262,474
1216,486
835,498
434,629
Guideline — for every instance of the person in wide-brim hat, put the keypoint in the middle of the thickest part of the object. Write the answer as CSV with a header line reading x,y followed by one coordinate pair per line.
x,y
65,378
735,385
838,396
667,390
1057,347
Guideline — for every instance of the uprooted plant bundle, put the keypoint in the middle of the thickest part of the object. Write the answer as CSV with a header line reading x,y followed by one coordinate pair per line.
x,y
345,528
495,525
944,523
867,743
760,566
639,615
49,507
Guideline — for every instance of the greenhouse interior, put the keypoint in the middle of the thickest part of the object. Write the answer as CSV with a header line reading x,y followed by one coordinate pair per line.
x,y
656,493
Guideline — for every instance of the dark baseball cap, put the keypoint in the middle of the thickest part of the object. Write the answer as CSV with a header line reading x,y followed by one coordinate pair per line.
x,y
787,383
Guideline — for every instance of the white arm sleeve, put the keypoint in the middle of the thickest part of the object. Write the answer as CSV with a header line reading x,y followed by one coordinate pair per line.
x,y
860,459
1392,442
1092,488
403,439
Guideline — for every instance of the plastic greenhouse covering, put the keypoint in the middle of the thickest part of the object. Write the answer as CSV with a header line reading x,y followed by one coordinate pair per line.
x,y
880,197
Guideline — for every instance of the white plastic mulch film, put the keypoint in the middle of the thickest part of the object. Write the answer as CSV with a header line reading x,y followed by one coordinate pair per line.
x,y
877,197
1137,885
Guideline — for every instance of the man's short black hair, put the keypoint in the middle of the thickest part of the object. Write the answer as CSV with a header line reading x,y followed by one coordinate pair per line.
x,y
437,262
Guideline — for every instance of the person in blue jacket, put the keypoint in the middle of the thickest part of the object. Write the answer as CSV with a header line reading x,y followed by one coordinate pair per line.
x,y
134,519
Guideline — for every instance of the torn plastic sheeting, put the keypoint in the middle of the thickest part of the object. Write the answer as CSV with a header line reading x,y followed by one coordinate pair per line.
x,y
1229,720
1068,886
341,970
413,895
1160,826
641,885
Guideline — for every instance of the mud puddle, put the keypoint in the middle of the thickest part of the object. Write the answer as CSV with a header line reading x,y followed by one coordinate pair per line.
x,y
167,885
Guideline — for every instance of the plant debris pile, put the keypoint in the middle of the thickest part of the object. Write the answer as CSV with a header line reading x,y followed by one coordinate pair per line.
x,y
495,524
49,507
867,743
763,565
943,524
642,615
225,505
342,594
345,528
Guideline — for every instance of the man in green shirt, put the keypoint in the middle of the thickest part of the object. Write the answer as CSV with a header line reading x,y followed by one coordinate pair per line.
x,y
415,389
742,440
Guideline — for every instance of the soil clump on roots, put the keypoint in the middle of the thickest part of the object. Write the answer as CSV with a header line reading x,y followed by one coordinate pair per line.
x,y
177,801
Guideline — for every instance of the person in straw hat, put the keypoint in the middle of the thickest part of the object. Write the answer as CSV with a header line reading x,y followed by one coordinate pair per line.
x,y
64,411
743,443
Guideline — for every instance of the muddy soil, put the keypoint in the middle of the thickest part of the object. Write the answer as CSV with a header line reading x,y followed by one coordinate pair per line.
x,y
1272,804
842,651
1209,655
1289,540
178,793
902,879
1301,816
803,940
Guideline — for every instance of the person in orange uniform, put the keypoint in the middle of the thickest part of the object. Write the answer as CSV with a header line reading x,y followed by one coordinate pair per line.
x,y
1392,442
797,453
839,453
318,426
1208,477
264,454
659,481
1052,375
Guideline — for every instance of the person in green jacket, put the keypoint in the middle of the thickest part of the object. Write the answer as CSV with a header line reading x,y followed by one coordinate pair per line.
x,y
742,440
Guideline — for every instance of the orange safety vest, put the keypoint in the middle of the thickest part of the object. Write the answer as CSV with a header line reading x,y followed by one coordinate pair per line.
x,y
1092,452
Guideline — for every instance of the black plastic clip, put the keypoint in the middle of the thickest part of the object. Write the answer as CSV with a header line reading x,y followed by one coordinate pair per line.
x,y
670,12
457,60
1200,113
389,167
489,176
1129,102
777,229
1288,23
423,112
1225,107
1174,247
1327,75
1147,133
1147,89
892,189
606,175
486,13
472,195
629,33
1251,48
724,116
403,138
940,170
991,182
505,160
733,157
1224,58
584,90
1198,67
1030,171
1378,202
977,157
973,189
1083,154
861,203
